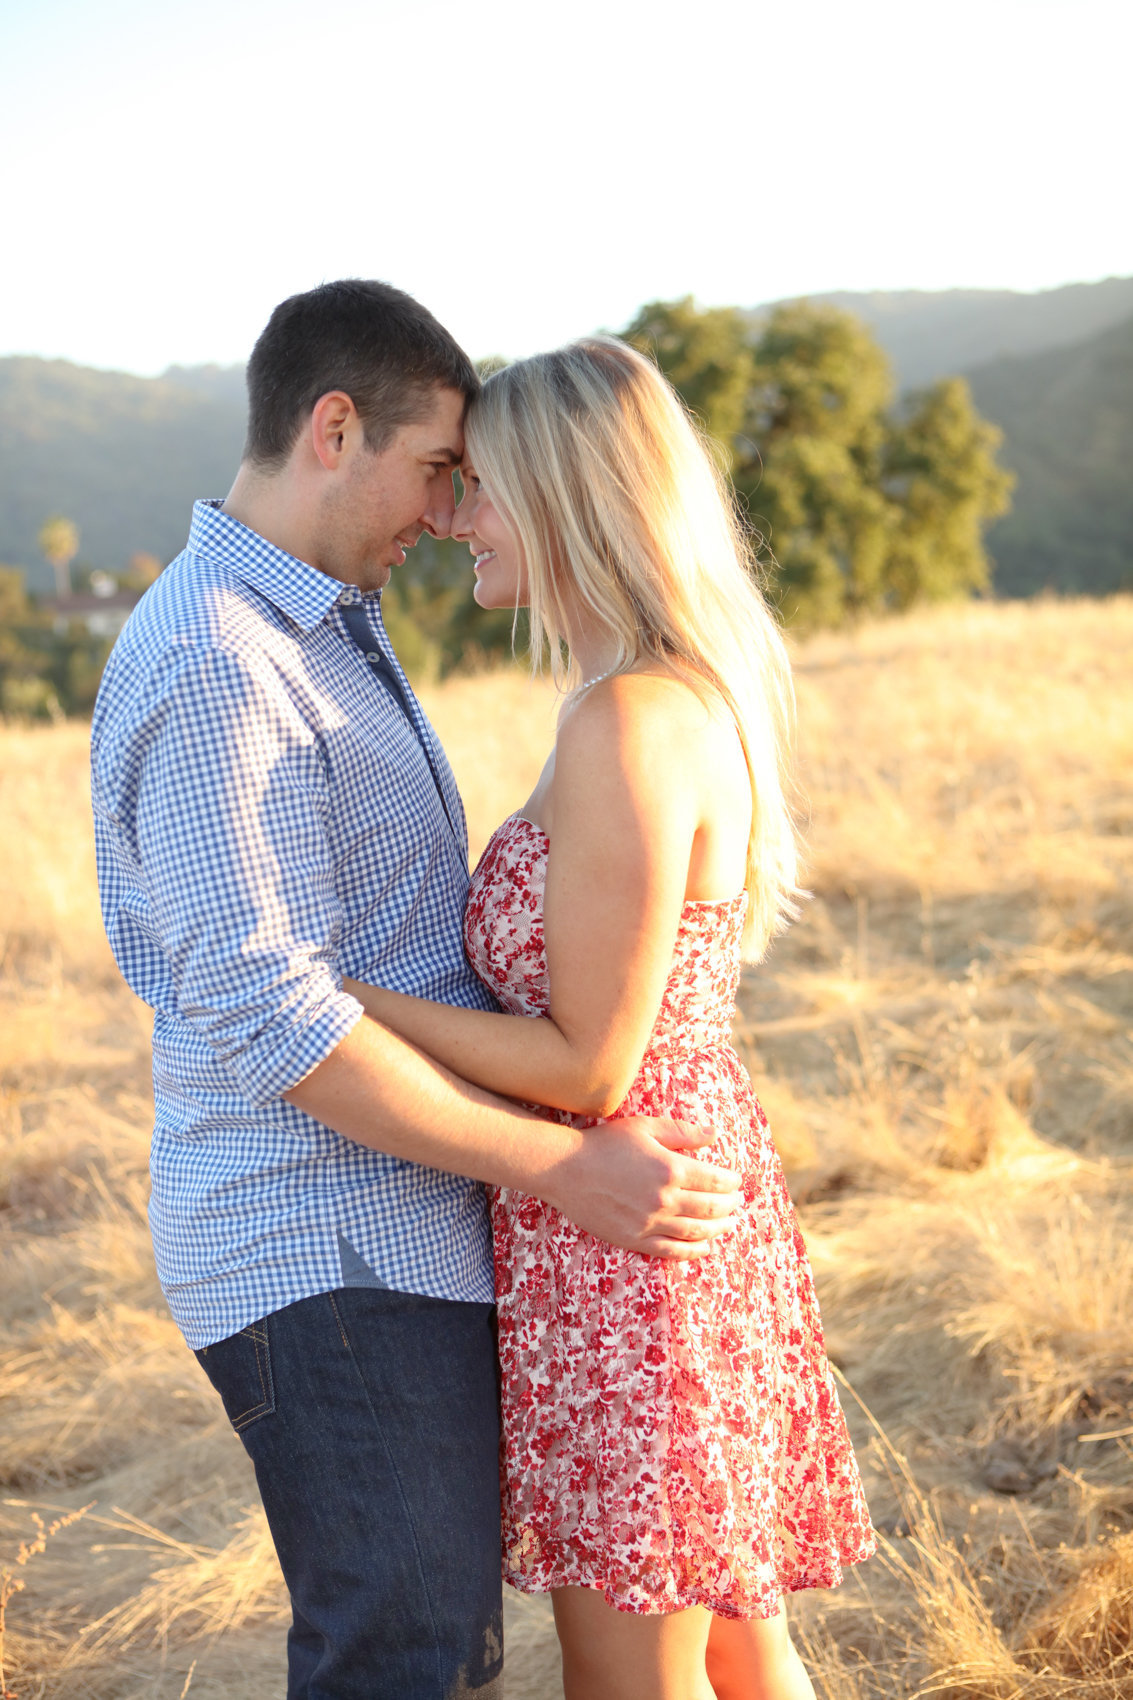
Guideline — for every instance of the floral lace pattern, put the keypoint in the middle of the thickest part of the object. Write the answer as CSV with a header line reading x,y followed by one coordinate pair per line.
x,y
671,1431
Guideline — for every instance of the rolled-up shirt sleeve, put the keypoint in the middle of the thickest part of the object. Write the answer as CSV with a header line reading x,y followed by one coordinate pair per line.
x,y
229,813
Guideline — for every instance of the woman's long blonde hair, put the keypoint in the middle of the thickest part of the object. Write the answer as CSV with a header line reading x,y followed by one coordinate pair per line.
x,y
619,508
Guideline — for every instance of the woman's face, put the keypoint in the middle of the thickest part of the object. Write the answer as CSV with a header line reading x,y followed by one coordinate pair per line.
x,y
501,575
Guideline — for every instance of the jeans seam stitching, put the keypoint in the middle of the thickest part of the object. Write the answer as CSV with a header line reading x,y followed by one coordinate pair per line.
x,y
259,1339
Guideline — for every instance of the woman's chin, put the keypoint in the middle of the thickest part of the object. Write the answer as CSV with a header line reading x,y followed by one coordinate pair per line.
x,y
483,598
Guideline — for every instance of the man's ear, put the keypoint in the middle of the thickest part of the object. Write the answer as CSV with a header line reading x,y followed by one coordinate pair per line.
x,y
334,425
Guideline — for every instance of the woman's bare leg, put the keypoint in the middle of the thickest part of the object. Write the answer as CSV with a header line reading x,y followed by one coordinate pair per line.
x,y
620,1655
755,1659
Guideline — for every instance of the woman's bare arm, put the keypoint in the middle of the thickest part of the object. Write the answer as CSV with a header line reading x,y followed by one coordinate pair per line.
x,y
616,878
636,1182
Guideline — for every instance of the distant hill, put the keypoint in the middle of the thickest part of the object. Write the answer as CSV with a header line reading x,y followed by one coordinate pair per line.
x,y
219,383
934,334
1067,418
124,457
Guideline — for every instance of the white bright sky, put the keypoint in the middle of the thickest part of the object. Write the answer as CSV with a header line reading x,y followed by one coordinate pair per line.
x,y
532,172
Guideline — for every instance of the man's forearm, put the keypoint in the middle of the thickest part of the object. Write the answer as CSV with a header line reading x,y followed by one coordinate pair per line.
x,y
379,1090
632,1182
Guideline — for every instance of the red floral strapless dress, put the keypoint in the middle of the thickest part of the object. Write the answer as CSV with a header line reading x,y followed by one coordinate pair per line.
x,y
672,1435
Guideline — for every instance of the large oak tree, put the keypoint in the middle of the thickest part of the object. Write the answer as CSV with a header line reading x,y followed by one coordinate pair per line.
x,y
861,505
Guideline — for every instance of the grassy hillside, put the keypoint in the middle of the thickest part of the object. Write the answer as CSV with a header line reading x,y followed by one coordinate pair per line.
x,y
1067,418
123,457
943,1046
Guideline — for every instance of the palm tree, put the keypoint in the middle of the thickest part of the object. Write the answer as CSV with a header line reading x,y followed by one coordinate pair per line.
x,y
59,541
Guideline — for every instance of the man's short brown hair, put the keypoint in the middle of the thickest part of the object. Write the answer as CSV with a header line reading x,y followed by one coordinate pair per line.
x,y
374,342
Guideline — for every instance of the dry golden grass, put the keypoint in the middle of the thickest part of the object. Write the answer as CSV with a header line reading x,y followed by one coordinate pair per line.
x,y
943,1044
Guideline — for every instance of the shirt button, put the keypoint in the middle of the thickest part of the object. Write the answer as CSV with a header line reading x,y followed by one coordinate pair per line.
x,y
373,655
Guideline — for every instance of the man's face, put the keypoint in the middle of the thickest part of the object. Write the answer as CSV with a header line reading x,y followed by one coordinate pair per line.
x,y
387,499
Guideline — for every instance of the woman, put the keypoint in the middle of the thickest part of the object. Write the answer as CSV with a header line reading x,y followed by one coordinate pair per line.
x,y
675,1456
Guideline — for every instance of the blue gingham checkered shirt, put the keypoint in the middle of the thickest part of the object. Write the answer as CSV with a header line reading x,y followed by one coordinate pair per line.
x,y
266,821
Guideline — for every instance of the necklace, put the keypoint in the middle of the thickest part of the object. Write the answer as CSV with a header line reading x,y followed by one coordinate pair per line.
x,y
596,680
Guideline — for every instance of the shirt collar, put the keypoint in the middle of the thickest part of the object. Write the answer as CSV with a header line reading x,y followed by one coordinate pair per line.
x,y
299,590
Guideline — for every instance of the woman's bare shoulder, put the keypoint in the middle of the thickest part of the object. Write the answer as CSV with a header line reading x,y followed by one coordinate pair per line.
x,y
651,712
650,762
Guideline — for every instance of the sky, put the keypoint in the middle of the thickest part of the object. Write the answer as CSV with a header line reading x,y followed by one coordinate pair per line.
x,y
534,172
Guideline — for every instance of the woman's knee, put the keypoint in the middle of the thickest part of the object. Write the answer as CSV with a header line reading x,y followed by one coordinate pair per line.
x,y
614,1655
755,1659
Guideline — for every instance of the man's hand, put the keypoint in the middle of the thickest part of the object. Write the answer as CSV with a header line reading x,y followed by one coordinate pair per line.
x,y
631,1183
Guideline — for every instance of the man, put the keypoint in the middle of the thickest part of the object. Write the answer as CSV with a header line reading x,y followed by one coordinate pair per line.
x,y
273,813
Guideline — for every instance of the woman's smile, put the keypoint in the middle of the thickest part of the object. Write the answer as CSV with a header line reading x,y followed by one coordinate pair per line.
x,y
476,520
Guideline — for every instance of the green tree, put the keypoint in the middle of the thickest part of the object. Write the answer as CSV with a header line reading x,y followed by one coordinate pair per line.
x,y
75,659
810,469
49,666
26,690
942,478
706,356
59,544
862,507
14,605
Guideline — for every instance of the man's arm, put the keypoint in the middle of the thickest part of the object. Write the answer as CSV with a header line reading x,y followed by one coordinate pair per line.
x,y
628,1182
233,851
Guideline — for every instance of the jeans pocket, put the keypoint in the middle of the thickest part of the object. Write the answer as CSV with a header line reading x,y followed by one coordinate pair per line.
x,y
240,1370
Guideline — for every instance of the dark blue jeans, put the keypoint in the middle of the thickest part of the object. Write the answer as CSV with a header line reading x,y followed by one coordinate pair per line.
x,y
372,1420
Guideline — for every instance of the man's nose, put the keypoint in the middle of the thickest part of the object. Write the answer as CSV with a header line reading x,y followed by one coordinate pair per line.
x,y
460,525
438,517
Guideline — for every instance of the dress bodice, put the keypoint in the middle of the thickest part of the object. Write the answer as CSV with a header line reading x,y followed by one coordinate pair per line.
x,y
504,938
